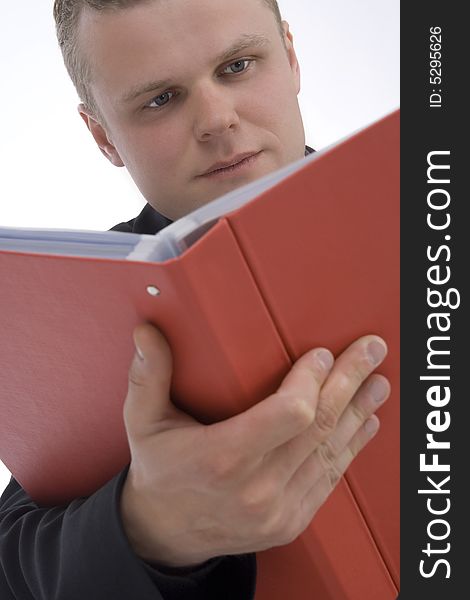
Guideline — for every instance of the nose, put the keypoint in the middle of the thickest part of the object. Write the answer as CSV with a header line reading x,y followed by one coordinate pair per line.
x,y
215,113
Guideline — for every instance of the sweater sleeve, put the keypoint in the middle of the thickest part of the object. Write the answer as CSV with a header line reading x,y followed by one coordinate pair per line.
x,y
81,551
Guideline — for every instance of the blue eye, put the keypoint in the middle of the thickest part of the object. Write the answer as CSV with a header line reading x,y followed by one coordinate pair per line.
x,y
161,100
237,67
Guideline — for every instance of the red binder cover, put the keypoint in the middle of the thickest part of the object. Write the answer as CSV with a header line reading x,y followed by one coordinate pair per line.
x,y
313,261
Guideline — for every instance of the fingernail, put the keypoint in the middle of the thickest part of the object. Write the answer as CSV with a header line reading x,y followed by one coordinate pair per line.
x,y
325,358
378,389
376,352
139,352
371,425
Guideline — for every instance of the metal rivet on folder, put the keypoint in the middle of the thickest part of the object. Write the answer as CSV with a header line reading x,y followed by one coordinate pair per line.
x,y
153,291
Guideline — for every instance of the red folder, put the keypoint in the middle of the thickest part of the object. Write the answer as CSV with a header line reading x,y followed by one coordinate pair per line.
x,y
314,261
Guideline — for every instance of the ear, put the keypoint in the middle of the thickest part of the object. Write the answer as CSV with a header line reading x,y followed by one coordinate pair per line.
x,y
101,137
292,56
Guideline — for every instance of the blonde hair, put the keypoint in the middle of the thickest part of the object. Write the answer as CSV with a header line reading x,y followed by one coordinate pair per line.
x,y
67,14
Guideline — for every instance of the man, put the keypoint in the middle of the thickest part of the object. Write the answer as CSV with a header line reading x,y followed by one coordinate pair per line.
x,y
195,98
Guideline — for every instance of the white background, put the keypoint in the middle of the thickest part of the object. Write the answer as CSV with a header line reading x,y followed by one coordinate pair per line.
x,y
52,175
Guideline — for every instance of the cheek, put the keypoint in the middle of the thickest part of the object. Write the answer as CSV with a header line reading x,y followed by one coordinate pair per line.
x,y
273,99
153,154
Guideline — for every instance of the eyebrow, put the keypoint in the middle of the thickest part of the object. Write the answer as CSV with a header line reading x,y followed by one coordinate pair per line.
x,y
243,43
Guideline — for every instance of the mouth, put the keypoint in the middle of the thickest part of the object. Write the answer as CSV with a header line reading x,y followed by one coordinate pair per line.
x,y
235,165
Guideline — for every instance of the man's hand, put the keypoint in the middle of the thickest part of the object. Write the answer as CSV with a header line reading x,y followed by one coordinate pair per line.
x,y
255,480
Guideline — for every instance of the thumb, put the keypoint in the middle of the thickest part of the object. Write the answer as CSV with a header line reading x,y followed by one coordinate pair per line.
x,y
148,397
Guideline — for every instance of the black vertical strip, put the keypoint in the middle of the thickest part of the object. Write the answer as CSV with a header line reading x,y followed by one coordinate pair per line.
x,y
433,119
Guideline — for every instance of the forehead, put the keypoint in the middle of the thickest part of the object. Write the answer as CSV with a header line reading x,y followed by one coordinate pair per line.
x,y
167,36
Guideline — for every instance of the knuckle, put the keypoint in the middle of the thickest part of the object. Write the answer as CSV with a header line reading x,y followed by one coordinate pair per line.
x,y
333,476
358,413
326,417
300,411
357,372
127,415
350,454
290,532
272,529
222,467
256,502
277,529
326,453
279,524
135,377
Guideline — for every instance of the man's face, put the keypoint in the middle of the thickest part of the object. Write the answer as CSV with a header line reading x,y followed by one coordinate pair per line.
x,y
186,87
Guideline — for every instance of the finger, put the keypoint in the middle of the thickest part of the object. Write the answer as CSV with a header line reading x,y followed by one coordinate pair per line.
x,y
281,416
350,370
285,460
312,485
370,396
148,398
307,374
318,470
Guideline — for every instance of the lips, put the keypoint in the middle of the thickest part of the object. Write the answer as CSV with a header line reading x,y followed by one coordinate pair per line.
x,y
219,166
